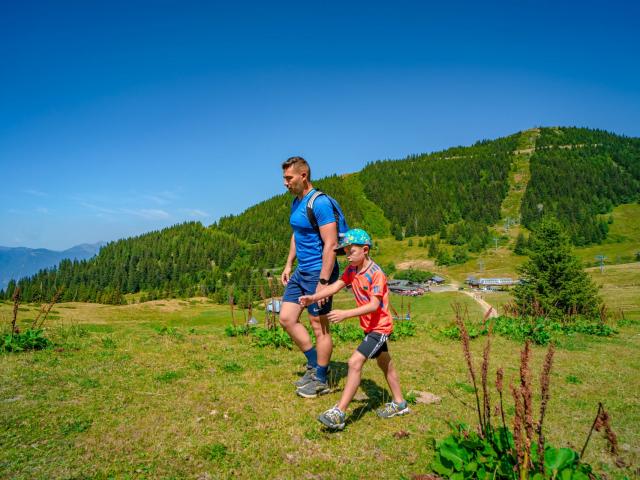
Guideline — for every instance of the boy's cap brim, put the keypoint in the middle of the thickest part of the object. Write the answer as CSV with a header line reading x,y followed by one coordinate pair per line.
x,y
340,248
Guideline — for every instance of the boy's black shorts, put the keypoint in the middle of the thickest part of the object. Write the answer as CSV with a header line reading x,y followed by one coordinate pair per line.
x,y
374,344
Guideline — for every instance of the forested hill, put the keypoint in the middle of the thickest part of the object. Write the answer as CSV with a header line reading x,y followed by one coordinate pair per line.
x,y
577,174
454,196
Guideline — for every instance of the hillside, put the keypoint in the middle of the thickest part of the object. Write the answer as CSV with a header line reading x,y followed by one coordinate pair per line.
x,y
462,207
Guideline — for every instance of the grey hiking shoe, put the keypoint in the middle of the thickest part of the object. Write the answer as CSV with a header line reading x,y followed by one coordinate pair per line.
x,y
306,378
393,409
314,388
333,418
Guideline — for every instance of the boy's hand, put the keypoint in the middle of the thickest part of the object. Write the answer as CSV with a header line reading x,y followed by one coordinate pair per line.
x,y
306,300
322,301
336,316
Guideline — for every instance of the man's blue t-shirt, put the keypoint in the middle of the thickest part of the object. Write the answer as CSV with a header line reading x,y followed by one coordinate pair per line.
x,y
308,241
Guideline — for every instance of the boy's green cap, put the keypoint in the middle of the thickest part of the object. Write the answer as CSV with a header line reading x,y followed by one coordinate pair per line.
x,y
355,236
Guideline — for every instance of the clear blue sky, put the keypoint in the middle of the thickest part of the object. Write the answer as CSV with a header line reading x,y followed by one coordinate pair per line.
x,y
117,118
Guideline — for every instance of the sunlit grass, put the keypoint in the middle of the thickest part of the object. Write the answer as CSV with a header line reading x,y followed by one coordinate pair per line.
x,y
120,396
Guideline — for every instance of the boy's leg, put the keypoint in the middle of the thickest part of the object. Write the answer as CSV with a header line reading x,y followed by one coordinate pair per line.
x,y
386,365
356,362
334,418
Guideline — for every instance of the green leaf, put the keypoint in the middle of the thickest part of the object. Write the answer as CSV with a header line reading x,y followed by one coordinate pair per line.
x,y
577,475
556,459
440,469
454,454
457,476
471,467
565,474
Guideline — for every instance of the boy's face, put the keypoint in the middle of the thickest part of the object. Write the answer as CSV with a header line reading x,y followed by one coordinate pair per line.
x,y
356,254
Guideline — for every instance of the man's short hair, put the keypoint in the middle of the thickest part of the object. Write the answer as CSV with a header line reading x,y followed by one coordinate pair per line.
x,y
299,163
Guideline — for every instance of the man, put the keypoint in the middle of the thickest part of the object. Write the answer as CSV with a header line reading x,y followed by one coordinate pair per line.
x,y
317,268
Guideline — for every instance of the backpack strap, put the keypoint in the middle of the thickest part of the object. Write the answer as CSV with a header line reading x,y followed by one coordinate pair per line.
x,y
312,216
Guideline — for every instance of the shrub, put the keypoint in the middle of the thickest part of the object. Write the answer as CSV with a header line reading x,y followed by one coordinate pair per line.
x,y
538,330
403,328
347,332
31,339
275,337
413,275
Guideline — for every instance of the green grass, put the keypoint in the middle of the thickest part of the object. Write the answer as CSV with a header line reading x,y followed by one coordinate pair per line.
x,y
623,241
116,399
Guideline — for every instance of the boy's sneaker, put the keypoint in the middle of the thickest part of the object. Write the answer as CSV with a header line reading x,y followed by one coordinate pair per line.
x,y
333,418
393,409
306,378
314,388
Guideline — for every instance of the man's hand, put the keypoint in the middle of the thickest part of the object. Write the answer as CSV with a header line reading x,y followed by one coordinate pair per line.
x,y
306,300
336,316
286,274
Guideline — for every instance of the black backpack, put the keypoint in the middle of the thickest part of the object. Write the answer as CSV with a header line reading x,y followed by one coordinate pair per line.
x,y
341,222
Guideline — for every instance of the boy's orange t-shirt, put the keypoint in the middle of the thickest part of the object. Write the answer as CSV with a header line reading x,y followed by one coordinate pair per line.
x,y
371,281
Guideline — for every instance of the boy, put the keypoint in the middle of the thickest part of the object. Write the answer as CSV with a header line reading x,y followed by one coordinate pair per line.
x,y
369,285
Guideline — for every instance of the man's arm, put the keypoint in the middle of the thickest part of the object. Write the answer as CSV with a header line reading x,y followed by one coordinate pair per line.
x,y
286,273
329,235
332,289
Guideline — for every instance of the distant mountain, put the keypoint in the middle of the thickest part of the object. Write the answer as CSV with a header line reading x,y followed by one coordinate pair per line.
x,y
19,262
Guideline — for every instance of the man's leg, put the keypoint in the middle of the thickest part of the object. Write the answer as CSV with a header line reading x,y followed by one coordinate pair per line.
x,y
324,344
290,321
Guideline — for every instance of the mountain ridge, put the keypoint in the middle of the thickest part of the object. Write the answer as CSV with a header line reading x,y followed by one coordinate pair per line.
x,y
455,199
19,262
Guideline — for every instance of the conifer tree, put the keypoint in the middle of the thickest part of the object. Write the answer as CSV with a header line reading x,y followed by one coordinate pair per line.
x,y
520,248
433,248
553,280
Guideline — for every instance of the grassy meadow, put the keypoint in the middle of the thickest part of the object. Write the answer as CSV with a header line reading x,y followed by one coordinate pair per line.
x,y
156,390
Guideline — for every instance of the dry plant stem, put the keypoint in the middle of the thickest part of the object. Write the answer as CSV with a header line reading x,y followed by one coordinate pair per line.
x,y
233,317
544,394
485,390
272,318
609,434
499,383
518,421
464,338
527,395
16,304
593,426
46,309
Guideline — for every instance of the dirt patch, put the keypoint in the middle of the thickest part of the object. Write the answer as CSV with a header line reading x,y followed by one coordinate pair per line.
x,y
163,305
416,265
